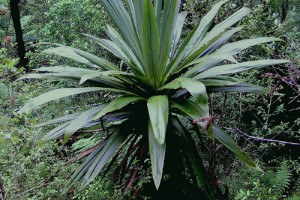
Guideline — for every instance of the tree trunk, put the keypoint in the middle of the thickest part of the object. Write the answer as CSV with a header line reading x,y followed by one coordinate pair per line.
x,y
15,14
2,190
284,10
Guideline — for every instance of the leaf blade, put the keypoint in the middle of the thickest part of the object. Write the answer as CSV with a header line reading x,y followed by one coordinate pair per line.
x,y
158,109
240,67
157,157
112,145
227,141
57,94
117,104
81,120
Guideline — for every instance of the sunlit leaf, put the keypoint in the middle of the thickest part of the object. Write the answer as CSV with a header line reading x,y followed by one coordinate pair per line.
x,y
158,109
57,94
82,120
117,104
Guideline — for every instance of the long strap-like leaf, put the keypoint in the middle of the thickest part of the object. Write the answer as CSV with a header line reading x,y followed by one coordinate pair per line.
x,y
158,109
117,104
188,145
56,132
60,93
196,89
177,32
229,84
150,44
99,161
157,156
167,27
59,120
236,47
205,48
124,23
83,168
227,141
82,57
234,68
81,120
193,38
223,26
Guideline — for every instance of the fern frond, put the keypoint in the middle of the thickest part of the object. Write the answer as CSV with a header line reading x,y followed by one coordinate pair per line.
x,y
283,178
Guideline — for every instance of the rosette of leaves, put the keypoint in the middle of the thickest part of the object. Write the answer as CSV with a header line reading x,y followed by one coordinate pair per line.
x,y
167,78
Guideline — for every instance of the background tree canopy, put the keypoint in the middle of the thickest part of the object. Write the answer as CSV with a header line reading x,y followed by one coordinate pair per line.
x,y
266,126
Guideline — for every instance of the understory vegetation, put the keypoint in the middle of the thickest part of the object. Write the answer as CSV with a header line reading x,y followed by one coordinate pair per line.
x,y
179,129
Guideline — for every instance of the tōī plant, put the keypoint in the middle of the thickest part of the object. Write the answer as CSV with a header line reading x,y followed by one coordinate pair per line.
x,y
167,78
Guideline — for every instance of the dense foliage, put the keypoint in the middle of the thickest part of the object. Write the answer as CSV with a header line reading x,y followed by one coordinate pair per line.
x,y
246,117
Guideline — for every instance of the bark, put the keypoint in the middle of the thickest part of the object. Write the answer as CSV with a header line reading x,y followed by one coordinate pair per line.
x,y
284,10
16,18
2,190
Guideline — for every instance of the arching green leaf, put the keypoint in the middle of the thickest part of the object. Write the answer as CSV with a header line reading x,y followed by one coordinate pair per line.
x,y
56,132
59,93
193,38
227,141
124,23
82,57
81,120
196,89
194,158
102,157
177,31
60,119
236,47
234,68
157,156
117,104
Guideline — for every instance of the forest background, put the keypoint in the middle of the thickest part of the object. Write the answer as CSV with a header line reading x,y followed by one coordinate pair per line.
x,y
266,126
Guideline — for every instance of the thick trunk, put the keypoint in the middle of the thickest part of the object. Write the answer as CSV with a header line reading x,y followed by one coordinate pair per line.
x,y
15,14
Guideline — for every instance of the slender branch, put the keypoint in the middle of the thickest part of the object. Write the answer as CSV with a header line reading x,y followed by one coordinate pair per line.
x,y
264,139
